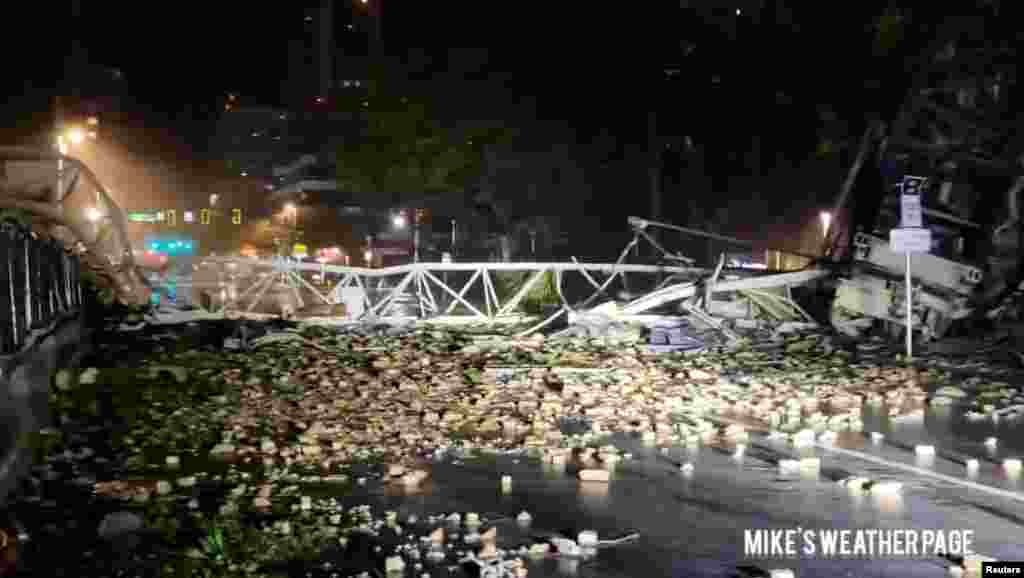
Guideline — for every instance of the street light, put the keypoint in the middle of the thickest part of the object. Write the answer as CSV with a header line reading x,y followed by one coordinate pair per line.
x,y
76,135
826,220
291,209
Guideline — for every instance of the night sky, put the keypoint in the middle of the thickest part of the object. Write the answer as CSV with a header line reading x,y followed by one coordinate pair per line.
x,y
579,61
781,75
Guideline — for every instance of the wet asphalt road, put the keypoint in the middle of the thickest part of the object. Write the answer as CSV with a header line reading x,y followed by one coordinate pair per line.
x,y
693,525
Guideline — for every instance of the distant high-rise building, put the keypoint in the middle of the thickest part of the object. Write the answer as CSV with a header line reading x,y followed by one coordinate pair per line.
x,y
330,51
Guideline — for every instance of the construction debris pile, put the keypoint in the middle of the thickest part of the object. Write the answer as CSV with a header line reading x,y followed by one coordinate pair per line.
x,y
338,408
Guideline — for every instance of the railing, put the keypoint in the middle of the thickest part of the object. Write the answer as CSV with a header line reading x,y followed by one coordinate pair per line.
x,y
39,285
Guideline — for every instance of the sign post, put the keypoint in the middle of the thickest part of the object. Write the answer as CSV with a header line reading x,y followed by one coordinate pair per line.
x,y
910,237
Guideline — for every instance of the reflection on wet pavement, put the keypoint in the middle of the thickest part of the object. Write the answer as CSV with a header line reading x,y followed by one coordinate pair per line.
x,y
693,525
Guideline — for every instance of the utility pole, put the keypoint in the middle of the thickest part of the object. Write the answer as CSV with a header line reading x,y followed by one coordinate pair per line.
x,y
376,13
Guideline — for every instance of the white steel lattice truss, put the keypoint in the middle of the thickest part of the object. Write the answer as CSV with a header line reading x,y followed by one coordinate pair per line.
x,y
422,284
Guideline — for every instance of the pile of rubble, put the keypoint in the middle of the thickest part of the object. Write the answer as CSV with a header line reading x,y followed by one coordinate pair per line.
x,y
307,407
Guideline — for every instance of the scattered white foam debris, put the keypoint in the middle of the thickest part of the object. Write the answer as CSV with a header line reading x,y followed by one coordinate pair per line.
x,y
454,519
539,550
877,437
810,464
587,539
855,482
394,565
782,573
886,488
524,517
972,464
789,466
472,519
566,547
803,438
924,450
972,563
506,484
991,442
594,475
687,468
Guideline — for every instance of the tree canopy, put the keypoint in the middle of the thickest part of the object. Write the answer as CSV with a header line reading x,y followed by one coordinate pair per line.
x,y
412,141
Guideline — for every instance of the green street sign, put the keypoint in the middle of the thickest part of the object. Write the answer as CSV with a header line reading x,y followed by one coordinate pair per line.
x,y
143,217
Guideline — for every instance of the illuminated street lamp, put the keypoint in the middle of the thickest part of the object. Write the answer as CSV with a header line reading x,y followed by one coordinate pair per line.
x,y
291,210
76,135
826,221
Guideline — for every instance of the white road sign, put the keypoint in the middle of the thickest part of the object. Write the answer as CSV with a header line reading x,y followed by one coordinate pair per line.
x,y
910,201
906,240
910,211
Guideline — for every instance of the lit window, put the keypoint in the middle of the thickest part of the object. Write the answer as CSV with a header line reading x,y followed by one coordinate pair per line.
x,y
245,174
349,26
358,83
347,83
309,18
256,134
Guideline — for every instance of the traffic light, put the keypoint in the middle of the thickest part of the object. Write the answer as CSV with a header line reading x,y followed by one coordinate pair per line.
x,y
204,216
236,216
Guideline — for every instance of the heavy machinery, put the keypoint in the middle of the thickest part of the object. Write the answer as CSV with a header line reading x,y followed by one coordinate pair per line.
x,y
955,128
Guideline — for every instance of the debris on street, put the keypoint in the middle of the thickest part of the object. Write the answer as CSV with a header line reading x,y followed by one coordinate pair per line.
x,y
240,459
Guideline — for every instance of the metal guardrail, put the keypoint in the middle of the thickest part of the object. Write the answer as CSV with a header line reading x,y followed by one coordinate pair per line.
x,y
39,285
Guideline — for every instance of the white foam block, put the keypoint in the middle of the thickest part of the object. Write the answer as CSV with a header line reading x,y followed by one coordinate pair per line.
x,y
594,475
587,539
807,464
924,450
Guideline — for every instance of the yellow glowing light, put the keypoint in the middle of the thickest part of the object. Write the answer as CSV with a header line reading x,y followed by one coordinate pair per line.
x,y
289,207
93,214
76,135
93,121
